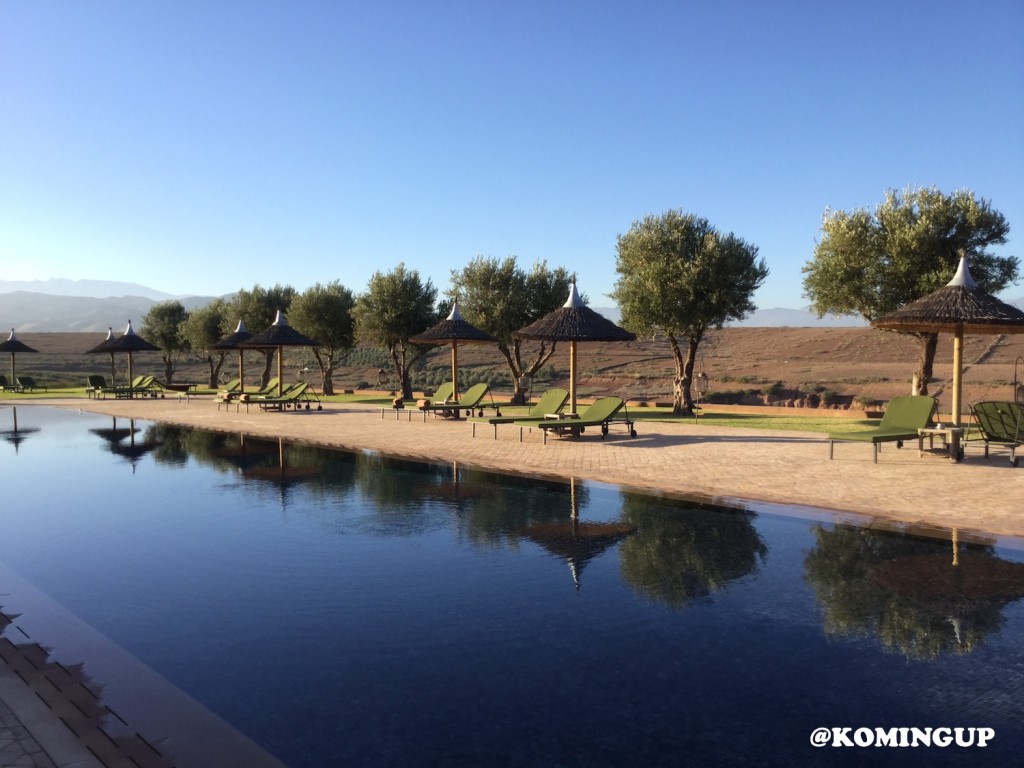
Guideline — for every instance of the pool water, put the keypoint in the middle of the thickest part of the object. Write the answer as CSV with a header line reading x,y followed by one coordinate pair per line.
x,y
354,609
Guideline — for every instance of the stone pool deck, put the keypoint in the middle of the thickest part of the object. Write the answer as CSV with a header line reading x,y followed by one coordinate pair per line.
x,y
790,472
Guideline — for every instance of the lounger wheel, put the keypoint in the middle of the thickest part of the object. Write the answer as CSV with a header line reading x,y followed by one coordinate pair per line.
x,y
899,443
319,407
632,433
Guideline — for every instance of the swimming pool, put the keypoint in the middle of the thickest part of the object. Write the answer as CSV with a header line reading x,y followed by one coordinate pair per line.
x,y
354,609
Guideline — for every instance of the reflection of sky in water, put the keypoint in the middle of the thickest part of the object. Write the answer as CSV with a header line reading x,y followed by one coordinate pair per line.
x,y
369,611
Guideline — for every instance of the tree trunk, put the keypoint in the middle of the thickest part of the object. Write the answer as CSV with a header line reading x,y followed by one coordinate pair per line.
x,y
268,367
168,369
326,364
513,358
929,343
215,362
682,397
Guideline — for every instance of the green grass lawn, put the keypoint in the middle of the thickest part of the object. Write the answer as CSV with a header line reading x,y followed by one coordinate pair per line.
x,y
804,422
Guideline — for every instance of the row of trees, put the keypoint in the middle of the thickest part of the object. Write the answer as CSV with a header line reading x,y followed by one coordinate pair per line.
x,y
679,277
497,295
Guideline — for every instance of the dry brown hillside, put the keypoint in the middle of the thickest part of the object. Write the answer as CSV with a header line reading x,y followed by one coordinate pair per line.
x,y
838,364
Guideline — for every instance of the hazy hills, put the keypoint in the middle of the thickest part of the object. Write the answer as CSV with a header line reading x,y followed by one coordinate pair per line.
x,y
79,305
59,305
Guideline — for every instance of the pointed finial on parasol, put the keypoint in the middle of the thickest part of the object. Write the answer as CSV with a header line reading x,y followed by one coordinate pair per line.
x,y
962,277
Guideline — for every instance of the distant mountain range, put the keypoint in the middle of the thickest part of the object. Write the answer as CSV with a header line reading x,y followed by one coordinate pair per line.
x,y
87,306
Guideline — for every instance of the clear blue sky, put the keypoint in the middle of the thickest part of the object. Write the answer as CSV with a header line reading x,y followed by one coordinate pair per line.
x,y
202,146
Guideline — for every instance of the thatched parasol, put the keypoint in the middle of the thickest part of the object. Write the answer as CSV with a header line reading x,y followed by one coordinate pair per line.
x,y
573,322
457,331
14,345
129,342
278,336
234,341
959,307
103,346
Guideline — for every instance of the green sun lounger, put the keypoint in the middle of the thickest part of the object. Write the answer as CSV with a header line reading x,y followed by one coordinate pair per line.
x,y
902,418
95,384
468,403
550,402
293,397
227,397
28,384
6,386
602,413
1000,423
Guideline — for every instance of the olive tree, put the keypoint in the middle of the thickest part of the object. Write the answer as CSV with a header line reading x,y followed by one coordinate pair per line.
x,y
203,328
395,307
871,263
162,326
679,276
500,297
324,313
257,309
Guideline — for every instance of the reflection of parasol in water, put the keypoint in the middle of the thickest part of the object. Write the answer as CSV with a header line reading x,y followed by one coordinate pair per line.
x,y
455,490
968,584
114,434
17,436
134,449
575,542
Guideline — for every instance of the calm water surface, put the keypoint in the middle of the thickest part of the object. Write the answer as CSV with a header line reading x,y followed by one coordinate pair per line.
x,y
351,609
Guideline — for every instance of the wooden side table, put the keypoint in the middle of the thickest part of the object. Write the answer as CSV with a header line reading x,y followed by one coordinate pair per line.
x,y
950,435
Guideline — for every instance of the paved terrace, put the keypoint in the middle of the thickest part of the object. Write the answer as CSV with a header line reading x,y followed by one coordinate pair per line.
x,y
726,464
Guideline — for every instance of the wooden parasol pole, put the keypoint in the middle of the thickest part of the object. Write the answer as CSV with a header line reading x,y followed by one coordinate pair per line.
x,y
958,362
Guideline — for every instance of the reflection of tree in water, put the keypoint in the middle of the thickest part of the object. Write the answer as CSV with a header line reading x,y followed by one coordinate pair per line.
x,y
270,463
683,552
920,597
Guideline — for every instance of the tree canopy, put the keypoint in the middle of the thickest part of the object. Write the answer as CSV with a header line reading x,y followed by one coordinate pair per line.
x,y
872,263
396,306
203,328
257,309
500,297
324,313
162,326
679,276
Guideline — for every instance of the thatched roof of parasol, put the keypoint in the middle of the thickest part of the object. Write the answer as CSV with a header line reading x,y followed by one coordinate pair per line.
x,y
234,341
959,304
453,328
574,321
279,334
14,344
129,341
